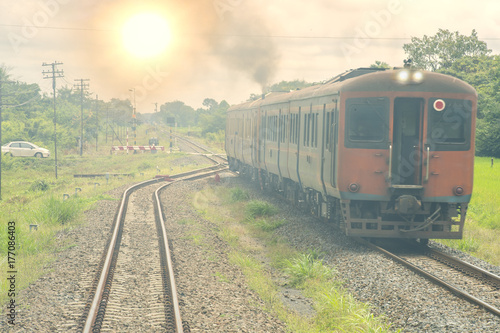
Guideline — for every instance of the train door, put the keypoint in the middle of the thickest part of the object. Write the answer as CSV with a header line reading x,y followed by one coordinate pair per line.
x,y
332,137
263,138
407,141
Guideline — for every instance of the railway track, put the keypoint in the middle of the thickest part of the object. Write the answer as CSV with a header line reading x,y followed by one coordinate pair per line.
x,y
465,280
199,149
135,287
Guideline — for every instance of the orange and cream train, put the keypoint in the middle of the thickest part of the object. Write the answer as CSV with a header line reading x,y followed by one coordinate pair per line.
x,y
382,153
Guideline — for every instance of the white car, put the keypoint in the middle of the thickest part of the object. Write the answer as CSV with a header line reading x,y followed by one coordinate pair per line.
x,y
23,148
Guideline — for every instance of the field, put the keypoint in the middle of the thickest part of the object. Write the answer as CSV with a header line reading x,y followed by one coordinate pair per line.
x,y
482,227
41,206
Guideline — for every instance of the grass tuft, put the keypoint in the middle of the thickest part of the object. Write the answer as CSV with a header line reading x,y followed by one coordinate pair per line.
x,y
258,208
39,185
238,194
307,266
269,225
339,311
54,211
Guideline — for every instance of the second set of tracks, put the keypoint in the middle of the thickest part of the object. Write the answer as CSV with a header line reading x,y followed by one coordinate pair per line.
x,y
134,289
467,281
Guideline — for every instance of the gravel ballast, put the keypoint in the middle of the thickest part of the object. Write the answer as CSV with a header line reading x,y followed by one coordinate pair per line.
x,y
214,294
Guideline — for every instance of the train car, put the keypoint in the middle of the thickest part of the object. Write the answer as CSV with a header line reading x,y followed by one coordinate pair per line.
x,y
382,153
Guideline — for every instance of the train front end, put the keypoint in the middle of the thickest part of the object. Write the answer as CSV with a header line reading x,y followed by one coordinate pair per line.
x,y
406,154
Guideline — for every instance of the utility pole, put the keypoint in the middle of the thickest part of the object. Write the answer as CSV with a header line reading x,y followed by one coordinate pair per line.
x,y
2,95
96,119
54,74
82,86
134,119
107,122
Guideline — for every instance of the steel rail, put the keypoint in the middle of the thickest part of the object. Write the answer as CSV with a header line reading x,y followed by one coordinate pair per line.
x,y
193,143
114,242
118,222
167,256
431,277
166,250
466,267
210,153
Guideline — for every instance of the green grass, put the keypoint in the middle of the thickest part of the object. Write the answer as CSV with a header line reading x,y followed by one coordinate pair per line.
x,y
268,225
31,195
247,227
485,203
238,194
258,208
307,266
482,226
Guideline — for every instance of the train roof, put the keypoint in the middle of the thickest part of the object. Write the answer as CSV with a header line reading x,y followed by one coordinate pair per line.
x,y
368,79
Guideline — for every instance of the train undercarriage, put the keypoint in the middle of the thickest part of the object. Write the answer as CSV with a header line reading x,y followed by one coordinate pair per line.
x,y
405,215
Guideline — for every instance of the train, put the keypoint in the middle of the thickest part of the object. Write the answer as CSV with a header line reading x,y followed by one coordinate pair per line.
x,y
380,153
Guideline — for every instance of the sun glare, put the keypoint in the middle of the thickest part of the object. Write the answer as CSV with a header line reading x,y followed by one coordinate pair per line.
x,y
146,35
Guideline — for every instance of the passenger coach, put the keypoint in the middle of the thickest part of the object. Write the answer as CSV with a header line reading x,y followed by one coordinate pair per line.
x,y
383,153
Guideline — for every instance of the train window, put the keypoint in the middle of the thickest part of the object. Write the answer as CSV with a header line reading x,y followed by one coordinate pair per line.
x,y
287,133
311,116
450,128
316,130
305,128
327,131
367,123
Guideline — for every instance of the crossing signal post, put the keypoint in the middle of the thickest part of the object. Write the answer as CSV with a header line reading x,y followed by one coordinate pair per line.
x,y
170,123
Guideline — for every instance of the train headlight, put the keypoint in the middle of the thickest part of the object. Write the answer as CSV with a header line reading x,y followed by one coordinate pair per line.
x,y
354,187
403,76
458,190
409,76
418,76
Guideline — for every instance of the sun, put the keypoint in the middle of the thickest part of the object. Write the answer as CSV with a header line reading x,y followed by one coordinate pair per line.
x,y
146,35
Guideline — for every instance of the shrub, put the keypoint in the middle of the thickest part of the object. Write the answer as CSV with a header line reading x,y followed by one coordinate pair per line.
x,y
237,194
257,208
307,266
53,211
266,225
39,185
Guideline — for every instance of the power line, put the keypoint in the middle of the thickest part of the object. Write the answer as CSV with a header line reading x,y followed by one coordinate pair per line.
x,y
53,28
226,35
54,74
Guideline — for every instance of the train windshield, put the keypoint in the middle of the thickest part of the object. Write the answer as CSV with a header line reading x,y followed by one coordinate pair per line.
x,y
367,122
449,127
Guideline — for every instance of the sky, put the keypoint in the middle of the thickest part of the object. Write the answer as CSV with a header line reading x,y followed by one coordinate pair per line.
x,y
221,49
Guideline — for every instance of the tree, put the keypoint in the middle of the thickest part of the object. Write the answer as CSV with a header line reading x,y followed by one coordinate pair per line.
x,y
213,120
283,86
184,114
380,64
443,49
482,72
